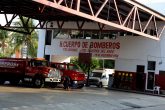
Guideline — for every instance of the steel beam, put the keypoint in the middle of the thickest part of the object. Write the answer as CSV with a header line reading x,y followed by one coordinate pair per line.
x,y
99,13
95,18
8,24
145,9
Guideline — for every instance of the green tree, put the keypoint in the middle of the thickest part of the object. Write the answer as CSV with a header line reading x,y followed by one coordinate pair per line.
x,y
3,37
107,63
94,64
5,47
22,40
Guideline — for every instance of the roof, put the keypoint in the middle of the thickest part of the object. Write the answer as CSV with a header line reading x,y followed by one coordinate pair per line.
x,y
35,10
114,13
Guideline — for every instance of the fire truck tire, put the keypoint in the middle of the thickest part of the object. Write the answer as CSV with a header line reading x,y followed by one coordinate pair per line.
x,y
81,86
14,82
53,85
100,85
38,82
2,82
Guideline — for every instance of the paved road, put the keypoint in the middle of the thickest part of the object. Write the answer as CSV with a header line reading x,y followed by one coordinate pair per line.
x,y
21,98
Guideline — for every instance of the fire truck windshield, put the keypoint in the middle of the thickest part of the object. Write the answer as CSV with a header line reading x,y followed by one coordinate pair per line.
x,y
96,74
74,67
39,63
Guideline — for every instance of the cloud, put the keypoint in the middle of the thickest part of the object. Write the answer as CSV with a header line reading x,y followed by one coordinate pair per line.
x,y
151,1
158,5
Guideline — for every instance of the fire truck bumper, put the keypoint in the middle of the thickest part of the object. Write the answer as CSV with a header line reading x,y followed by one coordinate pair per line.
x,y
52,80
78,84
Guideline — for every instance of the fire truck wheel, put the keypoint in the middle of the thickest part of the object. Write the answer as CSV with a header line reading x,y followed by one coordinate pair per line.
x,y
81,86
38,82
53,85
2,81
14,82
100,85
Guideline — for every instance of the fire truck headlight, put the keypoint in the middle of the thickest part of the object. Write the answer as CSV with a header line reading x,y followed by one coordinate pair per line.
x,y
75,82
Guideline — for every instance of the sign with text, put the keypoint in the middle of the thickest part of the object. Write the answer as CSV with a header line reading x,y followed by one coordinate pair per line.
x,y
72,47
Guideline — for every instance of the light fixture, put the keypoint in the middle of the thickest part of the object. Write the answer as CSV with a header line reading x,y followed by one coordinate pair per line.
x,y
160,62
51,24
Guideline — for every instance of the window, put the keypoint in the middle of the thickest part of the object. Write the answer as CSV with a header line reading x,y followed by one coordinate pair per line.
x,y
162,73
152,32
151,65
146,31
73,67
140,68
39,63
29,63
107,63
47,57
62,66
96,74
129,33
122,33
48,37
56,32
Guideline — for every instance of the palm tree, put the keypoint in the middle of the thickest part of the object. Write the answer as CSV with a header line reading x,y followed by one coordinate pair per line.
x,y
3,36
4,43
22,40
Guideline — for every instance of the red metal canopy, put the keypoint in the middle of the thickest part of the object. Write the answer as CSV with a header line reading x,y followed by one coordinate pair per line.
x,y
124,15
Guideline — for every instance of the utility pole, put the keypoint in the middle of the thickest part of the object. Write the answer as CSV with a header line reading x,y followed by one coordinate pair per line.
x,y
85,58
89,64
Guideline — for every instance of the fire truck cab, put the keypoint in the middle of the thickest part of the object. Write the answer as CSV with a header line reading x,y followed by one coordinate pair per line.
x,y
36,71
77,77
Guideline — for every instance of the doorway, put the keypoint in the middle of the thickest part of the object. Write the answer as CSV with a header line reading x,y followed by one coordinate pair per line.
x,y
151,75
140,78
150,80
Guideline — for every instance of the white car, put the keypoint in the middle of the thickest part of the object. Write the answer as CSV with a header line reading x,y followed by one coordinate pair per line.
x,y
100,78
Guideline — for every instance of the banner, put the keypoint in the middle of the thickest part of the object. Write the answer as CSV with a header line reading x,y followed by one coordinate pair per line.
x,y
72,47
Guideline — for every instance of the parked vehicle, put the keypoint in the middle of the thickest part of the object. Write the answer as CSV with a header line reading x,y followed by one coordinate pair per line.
x,y
36,71
77,77
100,78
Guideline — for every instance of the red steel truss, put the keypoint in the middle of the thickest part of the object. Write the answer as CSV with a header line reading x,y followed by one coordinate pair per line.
x,y
95,12
9,19
120,15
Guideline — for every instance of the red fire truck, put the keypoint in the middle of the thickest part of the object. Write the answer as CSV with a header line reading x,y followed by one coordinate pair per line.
x,y
77,77
36,71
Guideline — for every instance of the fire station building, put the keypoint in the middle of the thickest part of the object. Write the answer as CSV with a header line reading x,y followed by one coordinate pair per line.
x,y
134,38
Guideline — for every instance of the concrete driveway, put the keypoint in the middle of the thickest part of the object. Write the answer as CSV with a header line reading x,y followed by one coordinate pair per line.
x,y
91,98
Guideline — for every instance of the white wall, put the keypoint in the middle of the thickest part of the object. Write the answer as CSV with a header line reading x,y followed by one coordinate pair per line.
x,y
128,64
41,43
162,51
60,58
138,51
134,50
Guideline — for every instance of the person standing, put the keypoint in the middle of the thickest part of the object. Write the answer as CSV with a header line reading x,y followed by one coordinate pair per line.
x,y
66,82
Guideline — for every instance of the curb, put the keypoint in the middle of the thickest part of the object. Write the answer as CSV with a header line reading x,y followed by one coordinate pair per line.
x,y
138,92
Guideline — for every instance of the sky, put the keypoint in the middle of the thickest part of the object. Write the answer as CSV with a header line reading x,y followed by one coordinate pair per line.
x,y
157,5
